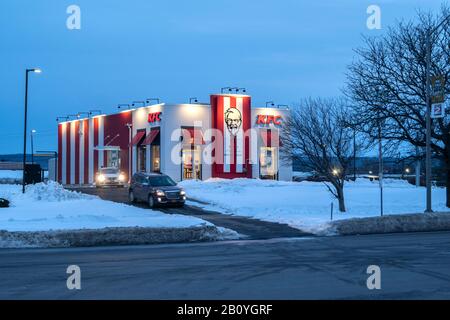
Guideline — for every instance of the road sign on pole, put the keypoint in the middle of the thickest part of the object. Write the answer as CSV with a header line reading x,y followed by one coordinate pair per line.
x,y
438,110
437,89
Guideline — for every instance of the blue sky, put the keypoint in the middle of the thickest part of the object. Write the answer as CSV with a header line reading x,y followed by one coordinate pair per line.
x,y
280,50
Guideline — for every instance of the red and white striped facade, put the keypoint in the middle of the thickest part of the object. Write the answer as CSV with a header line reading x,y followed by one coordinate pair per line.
x,y
83,144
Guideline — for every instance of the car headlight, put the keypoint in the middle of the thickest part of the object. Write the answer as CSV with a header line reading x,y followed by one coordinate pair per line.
x,y
160,193
121,177
182,193
101,178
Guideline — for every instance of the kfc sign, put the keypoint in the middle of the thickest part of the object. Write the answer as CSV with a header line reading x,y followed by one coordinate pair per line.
x,y
268,119
154,117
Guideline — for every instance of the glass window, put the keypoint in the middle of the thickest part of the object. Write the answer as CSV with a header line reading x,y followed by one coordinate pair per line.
x,y
156,158
268,163
109,170
141,158
191,162
161,181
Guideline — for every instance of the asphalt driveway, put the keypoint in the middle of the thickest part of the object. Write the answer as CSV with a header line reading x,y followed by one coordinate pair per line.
x,y
253,228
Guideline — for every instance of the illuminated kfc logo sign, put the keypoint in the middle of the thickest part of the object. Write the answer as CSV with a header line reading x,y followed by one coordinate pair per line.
x,y
154,117
268,119
233,120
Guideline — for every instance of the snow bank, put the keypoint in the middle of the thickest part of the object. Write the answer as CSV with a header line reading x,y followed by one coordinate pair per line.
x,y
48,206
112,236
307,205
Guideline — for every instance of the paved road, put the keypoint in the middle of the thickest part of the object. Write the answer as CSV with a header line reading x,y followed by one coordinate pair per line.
x,y
413,266
254,229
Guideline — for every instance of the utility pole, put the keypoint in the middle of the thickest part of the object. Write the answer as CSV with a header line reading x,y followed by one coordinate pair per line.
x,y
354,155
428,125
429,34
417,168
380,165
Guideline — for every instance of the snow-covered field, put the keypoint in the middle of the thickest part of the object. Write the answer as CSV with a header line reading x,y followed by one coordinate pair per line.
x,y
307,205
11,174
50,207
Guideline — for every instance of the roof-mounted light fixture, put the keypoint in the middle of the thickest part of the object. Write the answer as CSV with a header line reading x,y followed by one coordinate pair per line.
x,y
135,102
282,106
193,99
121,105
59,118
271,103
99,112
229,89
152,99
77,116
87,113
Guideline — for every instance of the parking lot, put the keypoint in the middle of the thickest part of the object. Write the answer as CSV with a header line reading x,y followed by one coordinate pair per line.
x,y
252,228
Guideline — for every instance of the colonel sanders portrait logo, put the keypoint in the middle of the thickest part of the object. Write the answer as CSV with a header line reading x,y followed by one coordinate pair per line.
x,y
233,120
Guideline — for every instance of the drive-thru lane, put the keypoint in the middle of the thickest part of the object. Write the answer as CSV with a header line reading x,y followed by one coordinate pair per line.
x,y
253,228
412,266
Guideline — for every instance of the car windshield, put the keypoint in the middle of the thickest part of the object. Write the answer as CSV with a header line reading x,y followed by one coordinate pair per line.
x,y
161,181
109,170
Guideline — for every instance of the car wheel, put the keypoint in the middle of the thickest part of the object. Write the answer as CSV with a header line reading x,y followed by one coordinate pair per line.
x,y
131,197
151,202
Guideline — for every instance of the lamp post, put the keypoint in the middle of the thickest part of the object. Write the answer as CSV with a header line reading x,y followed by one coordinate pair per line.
x,y
32,145
430,33
35,70
354,154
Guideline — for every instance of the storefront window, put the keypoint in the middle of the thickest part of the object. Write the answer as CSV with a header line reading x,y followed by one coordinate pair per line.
x,y
141,158
156,158
191,157
268,163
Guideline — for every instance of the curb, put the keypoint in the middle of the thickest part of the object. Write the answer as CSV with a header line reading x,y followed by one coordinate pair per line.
x,y
109,237
419,222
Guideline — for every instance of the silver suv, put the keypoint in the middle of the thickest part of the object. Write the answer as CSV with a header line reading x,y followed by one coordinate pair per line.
x,y
110,177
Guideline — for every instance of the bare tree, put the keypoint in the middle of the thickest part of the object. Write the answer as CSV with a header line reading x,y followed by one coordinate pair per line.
x,y
388,81
318,137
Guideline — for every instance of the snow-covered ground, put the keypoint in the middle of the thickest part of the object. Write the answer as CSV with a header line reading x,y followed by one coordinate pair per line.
x,y
11,174
307,205
50,207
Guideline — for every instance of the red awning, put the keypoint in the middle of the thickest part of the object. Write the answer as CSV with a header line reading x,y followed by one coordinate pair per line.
x,y
137,138
151,136
193,136
270,138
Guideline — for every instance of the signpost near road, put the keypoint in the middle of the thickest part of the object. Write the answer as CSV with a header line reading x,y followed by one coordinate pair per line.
x,y
437,96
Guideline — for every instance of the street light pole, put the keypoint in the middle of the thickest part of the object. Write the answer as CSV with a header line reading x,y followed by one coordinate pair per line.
x,y
380,166
25,126
354,155
428,126
429,34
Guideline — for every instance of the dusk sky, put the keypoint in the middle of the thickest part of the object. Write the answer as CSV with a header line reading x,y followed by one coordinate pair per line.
x,y
281,50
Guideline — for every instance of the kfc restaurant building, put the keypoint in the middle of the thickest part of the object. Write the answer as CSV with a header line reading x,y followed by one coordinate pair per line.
x,y
226,139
